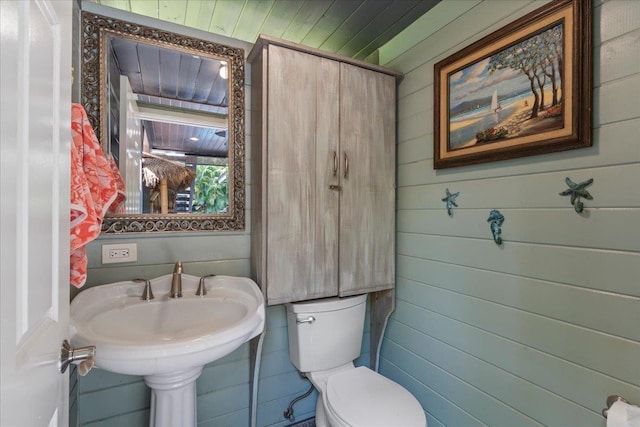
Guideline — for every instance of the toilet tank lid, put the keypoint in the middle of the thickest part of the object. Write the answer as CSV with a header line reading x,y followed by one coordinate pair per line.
x,y
326,304
387,403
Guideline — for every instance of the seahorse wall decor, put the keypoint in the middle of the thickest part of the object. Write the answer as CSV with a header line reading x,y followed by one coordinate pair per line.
x,y
495,221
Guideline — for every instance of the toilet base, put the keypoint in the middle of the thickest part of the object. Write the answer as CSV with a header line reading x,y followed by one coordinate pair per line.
x,y
321,416
390,405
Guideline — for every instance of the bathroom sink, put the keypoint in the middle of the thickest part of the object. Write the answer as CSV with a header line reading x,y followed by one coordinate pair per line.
x,y
166,335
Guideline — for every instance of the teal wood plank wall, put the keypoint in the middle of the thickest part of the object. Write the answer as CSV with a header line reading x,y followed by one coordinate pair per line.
x,y
104,399
544,328
538,332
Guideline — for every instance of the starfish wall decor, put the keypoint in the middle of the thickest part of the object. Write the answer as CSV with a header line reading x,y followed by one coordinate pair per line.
x,y
577,191
450,201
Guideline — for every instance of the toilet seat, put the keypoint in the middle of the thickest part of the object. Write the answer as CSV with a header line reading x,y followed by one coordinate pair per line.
x,y
360,397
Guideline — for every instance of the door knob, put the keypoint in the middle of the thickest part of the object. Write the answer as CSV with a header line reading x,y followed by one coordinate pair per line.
x,y
83,356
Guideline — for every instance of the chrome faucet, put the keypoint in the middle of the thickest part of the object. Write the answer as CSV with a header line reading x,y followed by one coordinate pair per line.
x,y
176,281
147,293
202,290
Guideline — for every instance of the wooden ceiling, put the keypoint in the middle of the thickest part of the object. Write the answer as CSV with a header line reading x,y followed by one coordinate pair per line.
x,y
354,28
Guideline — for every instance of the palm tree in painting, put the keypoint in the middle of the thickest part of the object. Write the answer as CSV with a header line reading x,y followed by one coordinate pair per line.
x,y
539,58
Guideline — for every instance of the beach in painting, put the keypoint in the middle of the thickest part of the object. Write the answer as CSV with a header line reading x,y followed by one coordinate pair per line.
x,y
513,116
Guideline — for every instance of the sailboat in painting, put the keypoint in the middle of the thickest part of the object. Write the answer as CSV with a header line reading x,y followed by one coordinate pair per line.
x,y
495,106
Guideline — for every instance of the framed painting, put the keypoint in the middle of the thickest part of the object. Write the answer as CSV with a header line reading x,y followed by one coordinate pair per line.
x,y
523,90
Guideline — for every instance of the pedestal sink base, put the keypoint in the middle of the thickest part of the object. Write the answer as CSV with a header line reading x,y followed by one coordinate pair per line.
x,y
173,398
167,340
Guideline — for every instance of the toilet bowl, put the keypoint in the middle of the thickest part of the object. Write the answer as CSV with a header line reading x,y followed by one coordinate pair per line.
x,y
325,336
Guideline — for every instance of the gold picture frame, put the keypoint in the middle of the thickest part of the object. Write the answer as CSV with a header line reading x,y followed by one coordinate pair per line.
x,y
525,89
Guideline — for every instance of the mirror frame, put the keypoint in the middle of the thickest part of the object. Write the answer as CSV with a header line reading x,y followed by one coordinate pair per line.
x,y
96,29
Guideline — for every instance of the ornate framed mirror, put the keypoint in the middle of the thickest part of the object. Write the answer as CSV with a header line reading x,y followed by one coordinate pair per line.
x,y
170,110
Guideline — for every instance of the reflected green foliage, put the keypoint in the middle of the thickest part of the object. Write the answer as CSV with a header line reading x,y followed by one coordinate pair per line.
x,y
211,189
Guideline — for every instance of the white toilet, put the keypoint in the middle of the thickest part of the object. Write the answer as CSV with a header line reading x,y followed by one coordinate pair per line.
x,y
325,337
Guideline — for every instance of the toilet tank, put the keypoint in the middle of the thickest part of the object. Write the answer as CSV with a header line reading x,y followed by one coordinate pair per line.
x,y
326,333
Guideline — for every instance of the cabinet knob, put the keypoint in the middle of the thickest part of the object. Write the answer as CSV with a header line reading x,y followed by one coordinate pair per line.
x,y
335,187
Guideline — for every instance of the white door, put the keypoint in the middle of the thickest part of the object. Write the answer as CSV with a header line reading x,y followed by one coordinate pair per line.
x,y
34,228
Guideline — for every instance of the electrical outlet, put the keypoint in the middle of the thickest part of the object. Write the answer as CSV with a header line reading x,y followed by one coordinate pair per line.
x,y
120,252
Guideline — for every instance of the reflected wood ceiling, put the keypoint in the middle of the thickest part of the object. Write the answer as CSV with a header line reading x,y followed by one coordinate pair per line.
x,y
176,81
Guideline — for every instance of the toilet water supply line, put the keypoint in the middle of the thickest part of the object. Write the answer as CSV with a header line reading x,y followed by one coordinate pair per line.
x,y
384,329
288,414
254,387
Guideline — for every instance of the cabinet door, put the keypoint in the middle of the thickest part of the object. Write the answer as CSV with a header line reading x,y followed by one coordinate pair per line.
x,y
367,209
302,212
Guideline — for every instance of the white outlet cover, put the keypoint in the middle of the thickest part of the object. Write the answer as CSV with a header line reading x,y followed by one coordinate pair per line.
x,y
133,253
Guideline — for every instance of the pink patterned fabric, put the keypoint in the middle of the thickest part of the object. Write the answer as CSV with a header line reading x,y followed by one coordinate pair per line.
x,y
117,206
96,188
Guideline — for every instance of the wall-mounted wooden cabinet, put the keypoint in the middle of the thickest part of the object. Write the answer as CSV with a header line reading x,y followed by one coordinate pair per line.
x,y
323,173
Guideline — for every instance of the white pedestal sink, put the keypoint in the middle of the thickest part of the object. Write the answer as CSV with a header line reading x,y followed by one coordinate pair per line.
x,y
166,340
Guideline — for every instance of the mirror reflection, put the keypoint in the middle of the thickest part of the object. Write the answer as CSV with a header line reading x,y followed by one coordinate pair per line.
x,y
170,110
167,127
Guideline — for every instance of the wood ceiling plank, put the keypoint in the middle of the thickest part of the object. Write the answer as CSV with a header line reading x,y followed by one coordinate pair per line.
x,y
359,19
203,83
126,54
279,18
170,136
146,8
118,4
178,137
225,16
150,131
330,21
170,69
149,58
420,8
175,137
251,19
189,68
173,11
376,26
310,12
199,14
218,93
